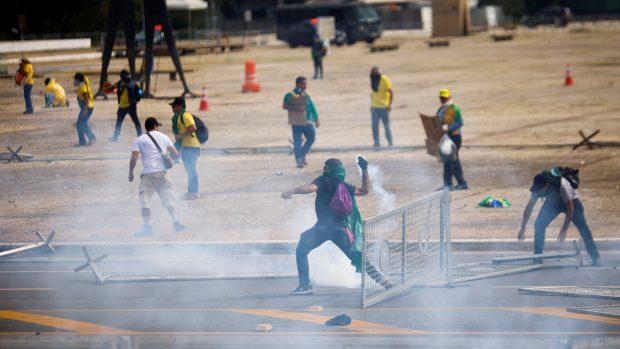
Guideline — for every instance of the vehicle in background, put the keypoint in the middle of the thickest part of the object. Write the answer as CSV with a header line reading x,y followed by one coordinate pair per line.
x,y
355,21
557,15
158,37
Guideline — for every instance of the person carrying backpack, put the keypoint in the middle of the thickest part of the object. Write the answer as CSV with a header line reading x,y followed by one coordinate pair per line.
x,y
128,93
184,129
343,228
558,189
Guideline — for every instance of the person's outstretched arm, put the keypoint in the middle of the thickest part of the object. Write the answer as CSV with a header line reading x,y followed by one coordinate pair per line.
x,y
365,188
527,212
304,189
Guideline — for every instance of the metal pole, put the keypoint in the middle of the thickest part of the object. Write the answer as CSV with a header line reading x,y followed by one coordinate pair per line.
x,y
364,247
446,198
404,252
442,228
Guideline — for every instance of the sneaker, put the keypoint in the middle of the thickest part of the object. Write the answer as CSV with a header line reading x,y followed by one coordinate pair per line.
x,y
462,186
178,226
113,139
302,291
386,284
190,196
596,263
376,145
300,164
28,112
145,231
91,142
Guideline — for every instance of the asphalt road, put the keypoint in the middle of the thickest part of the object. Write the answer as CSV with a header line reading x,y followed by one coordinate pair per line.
x,y
44,304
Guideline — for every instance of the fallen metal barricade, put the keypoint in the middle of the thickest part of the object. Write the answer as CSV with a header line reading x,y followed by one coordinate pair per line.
x,y
45,241
102,278
408,246
575,291
540,257
604,310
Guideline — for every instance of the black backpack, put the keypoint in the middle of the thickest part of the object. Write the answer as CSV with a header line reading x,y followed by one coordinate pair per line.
x,y
571,175
202,132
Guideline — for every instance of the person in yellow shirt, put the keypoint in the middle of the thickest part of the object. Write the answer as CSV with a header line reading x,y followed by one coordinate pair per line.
x,y
381,98
27,81
54,94
184,128
128,94
85,100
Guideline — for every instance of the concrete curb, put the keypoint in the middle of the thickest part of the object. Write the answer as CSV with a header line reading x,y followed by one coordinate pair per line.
x,y
282,247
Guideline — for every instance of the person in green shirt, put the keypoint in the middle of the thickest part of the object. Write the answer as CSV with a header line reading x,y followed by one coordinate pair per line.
x,y
449,115
302,117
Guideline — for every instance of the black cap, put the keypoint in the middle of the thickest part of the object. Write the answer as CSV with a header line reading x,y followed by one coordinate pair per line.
x,y
540,180
178,101
150,123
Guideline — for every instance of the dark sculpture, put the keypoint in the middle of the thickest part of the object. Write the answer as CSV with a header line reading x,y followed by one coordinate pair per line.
x,y
154,12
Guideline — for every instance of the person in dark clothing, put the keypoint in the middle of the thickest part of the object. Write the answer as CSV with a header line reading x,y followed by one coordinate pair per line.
x,y
449,115
559,196
331,225
318,52
128,93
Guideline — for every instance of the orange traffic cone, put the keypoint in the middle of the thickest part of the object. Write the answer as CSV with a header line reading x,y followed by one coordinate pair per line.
x,y
568,80
204,99
251,82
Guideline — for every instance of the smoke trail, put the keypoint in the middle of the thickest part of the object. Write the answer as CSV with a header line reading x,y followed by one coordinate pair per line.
x,y
385,198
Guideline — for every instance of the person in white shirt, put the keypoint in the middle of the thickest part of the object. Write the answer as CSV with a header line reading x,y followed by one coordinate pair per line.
x,y
154,177
559,196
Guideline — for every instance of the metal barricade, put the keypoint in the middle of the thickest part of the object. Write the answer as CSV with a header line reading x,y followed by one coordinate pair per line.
x,y
408,246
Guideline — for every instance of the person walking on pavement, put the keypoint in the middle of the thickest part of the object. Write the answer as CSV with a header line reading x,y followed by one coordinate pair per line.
x,y
154,177
183,128
344,230
559,197
302,117
381,98
128,94
55,95
85,101
318,51
27,82
449,115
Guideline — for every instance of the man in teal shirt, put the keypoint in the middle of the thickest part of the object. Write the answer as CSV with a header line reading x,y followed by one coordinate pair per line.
x,y
302,117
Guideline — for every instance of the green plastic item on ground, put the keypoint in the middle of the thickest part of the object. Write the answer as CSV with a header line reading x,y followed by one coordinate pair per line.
x,y
491,201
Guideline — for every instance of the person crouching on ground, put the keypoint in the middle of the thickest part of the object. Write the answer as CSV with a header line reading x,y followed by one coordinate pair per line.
x,y
559,196
55,95
302,117
345,231
449,115
154,177
85,101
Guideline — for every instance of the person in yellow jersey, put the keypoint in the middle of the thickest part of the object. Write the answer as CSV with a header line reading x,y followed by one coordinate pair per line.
x,y
184,128
85,101
26,74
129,94
381,98
54,94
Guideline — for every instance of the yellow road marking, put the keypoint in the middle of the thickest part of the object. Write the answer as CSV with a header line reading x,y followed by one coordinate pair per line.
x,y
562,312
27,289
356,325
65,324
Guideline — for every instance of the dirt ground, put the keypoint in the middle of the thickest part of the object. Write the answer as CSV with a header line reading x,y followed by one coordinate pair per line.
x,y
519,119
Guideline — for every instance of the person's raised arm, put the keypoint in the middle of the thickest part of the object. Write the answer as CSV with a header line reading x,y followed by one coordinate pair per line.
x,y
365,188
304,189
527,212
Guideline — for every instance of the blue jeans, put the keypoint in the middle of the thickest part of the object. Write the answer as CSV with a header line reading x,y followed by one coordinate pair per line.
x,y
454,168
315,237
548,212
190,157
82,127
381,114
120,116
28,98
308,132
